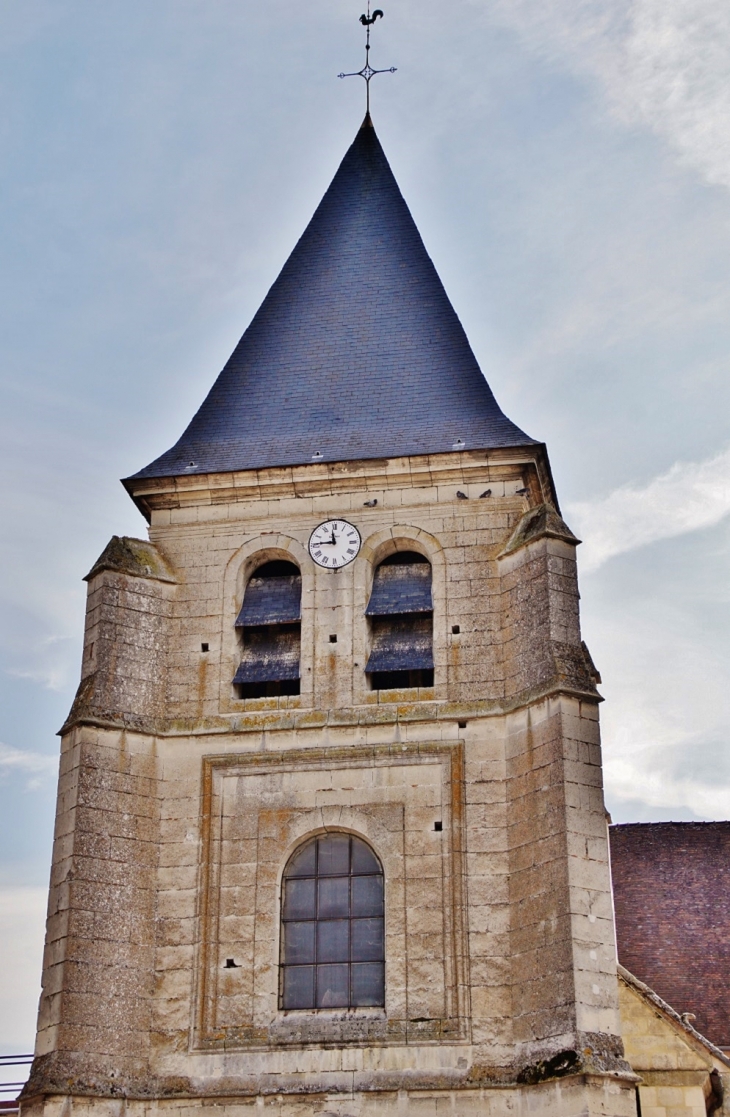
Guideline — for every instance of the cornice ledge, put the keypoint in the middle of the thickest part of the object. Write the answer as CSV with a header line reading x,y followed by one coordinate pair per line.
x,y
565,1066
313,478
274,720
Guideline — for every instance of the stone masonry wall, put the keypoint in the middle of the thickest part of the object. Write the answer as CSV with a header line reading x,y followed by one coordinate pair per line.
x,y
215,547
180,803
681,1075
541,637
565,1098
94,1019
562,948
672,892
126,648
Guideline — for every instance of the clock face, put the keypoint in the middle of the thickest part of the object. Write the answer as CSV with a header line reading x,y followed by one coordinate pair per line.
x,y
334,543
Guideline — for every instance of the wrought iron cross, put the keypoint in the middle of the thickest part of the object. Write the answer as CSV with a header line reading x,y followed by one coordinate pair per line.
x,y
367,72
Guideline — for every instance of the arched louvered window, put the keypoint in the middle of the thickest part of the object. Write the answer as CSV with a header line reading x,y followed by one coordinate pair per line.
x,y
401,621
333,926
269,625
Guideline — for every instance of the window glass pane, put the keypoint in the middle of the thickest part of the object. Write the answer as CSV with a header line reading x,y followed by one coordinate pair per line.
x,y
333,941
367,895
334,897
299,899
332,986
367,940
368,984
333,930
334,855
299,942
363,858
298,987
303,863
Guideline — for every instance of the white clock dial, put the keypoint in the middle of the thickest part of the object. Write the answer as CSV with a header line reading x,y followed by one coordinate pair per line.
x,y
334,543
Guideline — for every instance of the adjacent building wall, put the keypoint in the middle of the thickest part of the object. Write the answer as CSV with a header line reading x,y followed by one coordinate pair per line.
x,y
681,1073
672,892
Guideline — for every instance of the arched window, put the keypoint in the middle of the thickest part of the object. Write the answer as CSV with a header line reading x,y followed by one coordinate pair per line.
x,y
332,926
401,619
270,628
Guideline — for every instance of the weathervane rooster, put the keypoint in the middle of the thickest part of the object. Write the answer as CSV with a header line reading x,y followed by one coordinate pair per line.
x,y
367,20
367,72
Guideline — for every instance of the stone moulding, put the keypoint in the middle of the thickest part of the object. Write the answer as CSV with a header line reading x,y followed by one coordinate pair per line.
x,y
83,712
529,463
66,1077
278,827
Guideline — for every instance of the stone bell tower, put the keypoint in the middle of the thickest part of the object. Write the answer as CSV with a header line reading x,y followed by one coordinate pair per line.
x,y
330,834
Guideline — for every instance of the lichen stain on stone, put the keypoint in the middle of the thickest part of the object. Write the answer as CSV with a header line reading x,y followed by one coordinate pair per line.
x,y
202,667
538,523
135,557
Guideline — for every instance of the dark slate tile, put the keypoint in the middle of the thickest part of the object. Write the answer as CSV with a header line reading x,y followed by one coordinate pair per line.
x,y
356,351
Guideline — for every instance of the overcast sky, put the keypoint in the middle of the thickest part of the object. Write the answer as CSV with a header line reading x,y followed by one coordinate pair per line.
x,y
568,165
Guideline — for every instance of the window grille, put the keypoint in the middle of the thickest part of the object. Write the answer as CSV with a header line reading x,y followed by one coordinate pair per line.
x,y
401,623
333,926
270,627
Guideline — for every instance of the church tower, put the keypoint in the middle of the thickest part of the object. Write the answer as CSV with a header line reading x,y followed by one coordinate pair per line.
x,y
330,834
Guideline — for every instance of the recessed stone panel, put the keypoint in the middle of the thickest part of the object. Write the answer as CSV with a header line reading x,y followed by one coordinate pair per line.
x,y
256,811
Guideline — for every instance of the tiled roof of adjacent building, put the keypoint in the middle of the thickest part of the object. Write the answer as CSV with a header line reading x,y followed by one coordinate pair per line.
x,y
356,351
671,886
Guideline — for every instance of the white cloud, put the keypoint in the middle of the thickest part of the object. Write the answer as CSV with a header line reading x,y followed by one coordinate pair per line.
x,y
51,662
688,496
22,925
635,775
677,57
665,718
662,64
35,764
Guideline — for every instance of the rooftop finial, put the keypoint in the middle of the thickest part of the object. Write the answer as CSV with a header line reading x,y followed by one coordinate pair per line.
x,y
367,72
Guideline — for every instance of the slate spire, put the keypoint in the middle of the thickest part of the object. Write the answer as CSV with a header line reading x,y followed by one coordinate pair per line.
x,y
356,351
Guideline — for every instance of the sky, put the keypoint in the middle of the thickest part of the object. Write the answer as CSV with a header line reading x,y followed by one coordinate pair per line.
x,y
568,165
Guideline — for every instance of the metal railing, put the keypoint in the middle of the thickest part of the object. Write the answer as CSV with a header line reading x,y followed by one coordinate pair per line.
x,y
9,1105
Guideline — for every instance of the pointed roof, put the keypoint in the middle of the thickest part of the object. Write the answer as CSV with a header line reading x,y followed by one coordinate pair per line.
x,y
356,351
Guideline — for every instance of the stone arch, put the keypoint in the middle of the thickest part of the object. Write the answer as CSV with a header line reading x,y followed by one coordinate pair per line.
x,y
257,550
378,546
332,912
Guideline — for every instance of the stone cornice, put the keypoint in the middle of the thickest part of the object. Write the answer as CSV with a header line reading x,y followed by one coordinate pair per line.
x,y
339,477
592,1056
270,720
